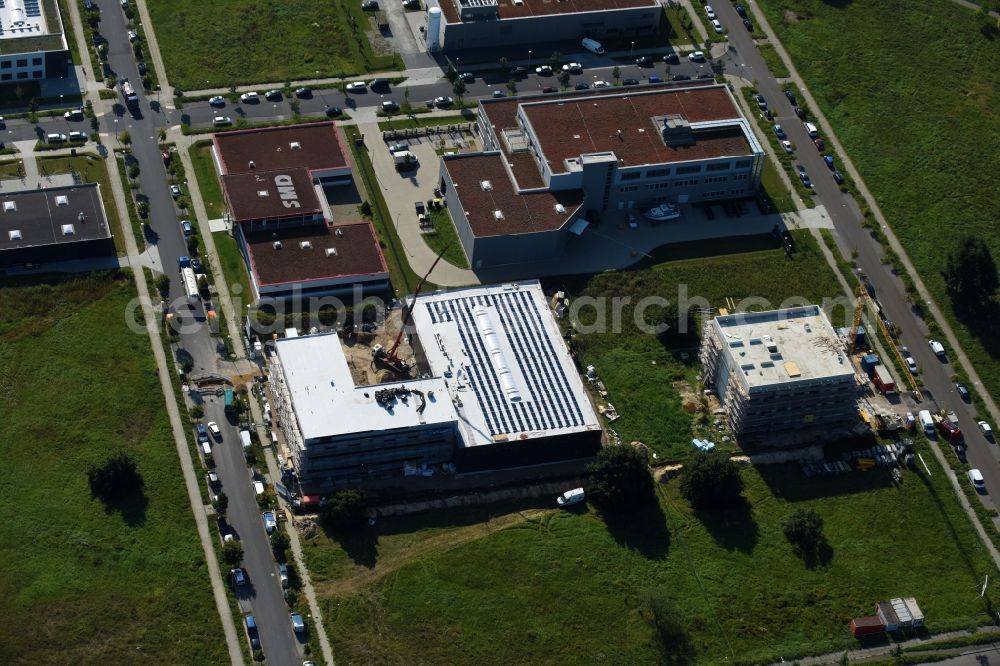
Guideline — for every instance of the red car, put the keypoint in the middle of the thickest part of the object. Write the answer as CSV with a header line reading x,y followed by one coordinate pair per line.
x,y
166,157
950,431
819,144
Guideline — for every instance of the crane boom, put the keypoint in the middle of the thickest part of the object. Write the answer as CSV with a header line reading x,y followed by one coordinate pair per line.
x,y
408,311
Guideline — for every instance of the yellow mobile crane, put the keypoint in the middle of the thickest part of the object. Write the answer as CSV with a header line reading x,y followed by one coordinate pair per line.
x,y
865,299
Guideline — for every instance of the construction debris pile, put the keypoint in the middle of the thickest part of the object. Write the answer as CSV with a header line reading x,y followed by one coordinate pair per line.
x,y
387,397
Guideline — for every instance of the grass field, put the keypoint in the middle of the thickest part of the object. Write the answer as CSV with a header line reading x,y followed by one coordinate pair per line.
x,y
917,116
770,181
445,238
91,170
93,585
638,368
229,42
545,587
773,61
208,179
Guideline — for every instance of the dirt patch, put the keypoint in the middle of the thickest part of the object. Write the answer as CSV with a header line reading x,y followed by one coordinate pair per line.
x,y
791,17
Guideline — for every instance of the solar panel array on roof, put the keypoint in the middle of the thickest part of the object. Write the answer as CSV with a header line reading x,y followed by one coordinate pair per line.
x,y
550,403
31,8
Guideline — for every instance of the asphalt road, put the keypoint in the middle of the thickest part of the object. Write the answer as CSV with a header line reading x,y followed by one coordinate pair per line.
x,y
744,58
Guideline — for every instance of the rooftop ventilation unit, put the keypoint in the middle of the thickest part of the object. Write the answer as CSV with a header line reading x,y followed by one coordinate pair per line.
x,y
498,215
277,245
262,193
9,206
62,200
305,245
295,145
677,131
338,232
14,234
81,217
560,208
252,164
331,252
486,185
68,230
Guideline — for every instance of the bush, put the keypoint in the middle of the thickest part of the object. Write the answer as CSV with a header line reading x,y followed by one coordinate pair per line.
x,y
346,510
117,479
711,481
232,553
221,503
804,530
279,544
163,285
620,479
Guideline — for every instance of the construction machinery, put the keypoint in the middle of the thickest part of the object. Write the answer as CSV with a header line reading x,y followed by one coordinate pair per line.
x,y
388,358
865,300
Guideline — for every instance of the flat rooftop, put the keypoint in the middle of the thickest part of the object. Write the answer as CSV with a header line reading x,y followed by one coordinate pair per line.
x,y
504,358
528,8
270,194
327,403
23,22
314,146
52,216
625,124
783,346
484,187
304,253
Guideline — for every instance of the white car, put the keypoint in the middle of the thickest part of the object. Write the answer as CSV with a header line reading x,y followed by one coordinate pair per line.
x,y
601,84
936,347
221,121
250,98
270,524
356,86
133,36
976,477
986,429
74,114
696,56
497,94
709,12
175,191
213,429
911,364
543,70
571,497
717,26
572,67
217,100
787,145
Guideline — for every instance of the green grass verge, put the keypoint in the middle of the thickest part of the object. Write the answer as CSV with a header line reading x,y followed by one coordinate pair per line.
x,y
91,170
773,61
231,42
435,121
787,161
403,279
930,136
234,269
444,236
550,587
208,179
94,584
775,188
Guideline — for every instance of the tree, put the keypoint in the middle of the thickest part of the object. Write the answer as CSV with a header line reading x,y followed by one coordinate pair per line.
x,y
458,87
711,481
192,244
564,78
512,86
346,510
133,170
451,73
125,138
117,479
554,58
804,530
970,273
620,479
203,283
616,73
163,286
365,208
504,64
232,553
279,544
142,208
221,503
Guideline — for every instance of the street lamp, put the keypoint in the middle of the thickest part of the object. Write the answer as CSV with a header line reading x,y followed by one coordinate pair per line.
x,y
116,129
631,50
529,57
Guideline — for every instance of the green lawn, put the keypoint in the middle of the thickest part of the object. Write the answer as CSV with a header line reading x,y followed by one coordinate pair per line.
x,y
445,238
91,170
556,587
773,61
208,179
434,121
918,116
639,368
229,42
774,187
82,584
234,269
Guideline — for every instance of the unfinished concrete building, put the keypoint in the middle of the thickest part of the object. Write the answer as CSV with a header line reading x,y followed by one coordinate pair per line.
x,y
782,376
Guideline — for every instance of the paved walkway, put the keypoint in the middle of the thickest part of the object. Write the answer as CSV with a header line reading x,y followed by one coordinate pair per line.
x,y
957,356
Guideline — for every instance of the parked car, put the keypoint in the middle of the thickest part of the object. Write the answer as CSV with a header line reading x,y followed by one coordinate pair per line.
x,y
305,92
644,61
217,100
838,177
761,102
175,191
133,36
779,132
696,56
571,497
519,71
202,432
73,114
654,79
748,24
270,522
379,83
987,431
369,6
215,431
911,363
800,112
791,97
937,348
630,82
680,77
356,87
389,106
250,98
709,12
198,269
787,145
549,89
283,575
411,4
828,160
398,147
543,70
601,84
444,100
238,577
572,67
251,627
976,477
741,10
222,121
963,391
717,26
187,228
297,624
273,96
803,175
77,136
671,58
332,111
583,85
819,144
467,77
497,94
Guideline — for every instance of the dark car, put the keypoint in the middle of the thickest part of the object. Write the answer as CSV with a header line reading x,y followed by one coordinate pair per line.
x,y
963,391
106,68
630,82
828,160
819,144
411,4
333,111
644,61
800,112
748,25
672,58
582,86
791,97
741,10
519,71
681,77
379,84
197,266
97,38
369,6
838,177
273,95
549,89
803,176
467,77
303,92
142,68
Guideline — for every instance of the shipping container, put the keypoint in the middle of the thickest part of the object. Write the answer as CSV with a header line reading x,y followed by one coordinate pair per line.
x,y
868,363
883,380
866,626
230,401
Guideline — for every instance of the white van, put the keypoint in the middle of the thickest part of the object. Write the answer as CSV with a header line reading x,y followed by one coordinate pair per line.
x,y
206,448
55,138
570,497
924,416
592,45
811,129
